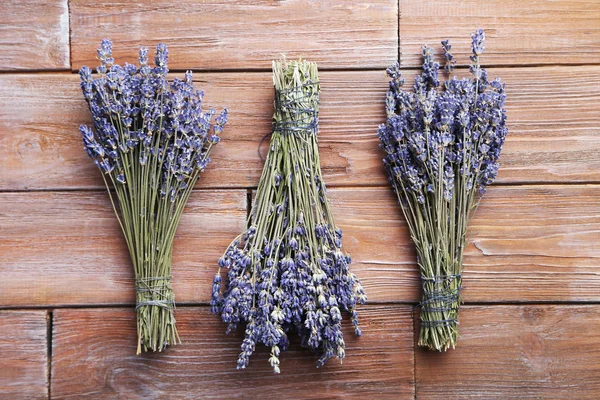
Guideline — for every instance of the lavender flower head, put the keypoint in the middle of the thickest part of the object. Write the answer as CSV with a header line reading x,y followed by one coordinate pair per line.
x,y
151,139
287,272
459,129
139,115
442,143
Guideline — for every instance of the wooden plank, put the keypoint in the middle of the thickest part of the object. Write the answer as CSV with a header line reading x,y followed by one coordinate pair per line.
x,y
67,248
94,355
554,124
528,244
216,35
535,244
376,237
42,148
24,362
553,120
517,352
532,32
34,35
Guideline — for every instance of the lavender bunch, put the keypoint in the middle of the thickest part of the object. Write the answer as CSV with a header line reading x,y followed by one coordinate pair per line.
x,y
287,272
442,144
150,139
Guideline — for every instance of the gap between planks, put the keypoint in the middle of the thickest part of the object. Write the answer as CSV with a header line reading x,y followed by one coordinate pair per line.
x,y
413,304
49,328
332,186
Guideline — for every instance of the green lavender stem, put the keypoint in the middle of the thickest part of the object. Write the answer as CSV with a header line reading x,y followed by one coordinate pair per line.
x,y
286,271
151,139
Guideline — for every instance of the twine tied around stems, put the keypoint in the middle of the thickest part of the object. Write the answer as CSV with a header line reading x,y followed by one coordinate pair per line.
x,y
442,299
160,295
308,120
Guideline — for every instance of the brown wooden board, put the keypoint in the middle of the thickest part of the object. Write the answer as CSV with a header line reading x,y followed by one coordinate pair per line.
x,y
517,352
94,355
533,32
43,149
535,244
216,35
67,248
34,35
534,239
23,355
553,120
528,244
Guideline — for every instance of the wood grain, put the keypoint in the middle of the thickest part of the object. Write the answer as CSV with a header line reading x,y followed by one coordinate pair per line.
x,y
34,35
23,360
535,244
553,121
517,352
532,32
94,355
216,35
528,244
534,238
67,248
42,148
554,124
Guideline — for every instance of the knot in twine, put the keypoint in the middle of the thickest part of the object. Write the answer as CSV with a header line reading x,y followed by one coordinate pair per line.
x,y
442,300
155,291
301,108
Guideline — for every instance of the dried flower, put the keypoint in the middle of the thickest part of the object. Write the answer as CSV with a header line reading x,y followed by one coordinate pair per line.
x,y
442,145
287,272
151,139
450,62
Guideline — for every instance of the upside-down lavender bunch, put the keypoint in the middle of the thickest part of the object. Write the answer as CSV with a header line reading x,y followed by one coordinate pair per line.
x,y
150,140
287,272
442,144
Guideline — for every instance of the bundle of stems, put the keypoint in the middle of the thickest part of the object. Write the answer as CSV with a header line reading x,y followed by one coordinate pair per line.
x,y
150,140
287,272
442,145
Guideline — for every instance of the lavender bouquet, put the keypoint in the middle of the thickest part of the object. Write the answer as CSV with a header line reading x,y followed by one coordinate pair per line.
x,y
286,272
442,145
150,140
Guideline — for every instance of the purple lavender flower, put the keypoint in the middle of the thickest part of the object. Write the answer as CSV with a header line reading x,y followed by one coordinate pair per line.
x,y
478,42
449,57
176,124
441,146
105,56
286,273
150,138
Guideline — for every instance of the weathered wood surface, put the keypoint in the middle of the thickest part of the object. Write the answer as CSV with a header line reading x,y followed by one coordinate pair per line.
x,y
553,119
34,35
23,355
534,239
532,32
67,248
94,355
214,35
517,352
528,244
43,148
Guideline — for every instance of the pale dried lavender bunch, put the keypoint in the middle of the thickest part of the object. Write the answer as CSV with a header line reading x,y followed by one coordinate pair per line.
x,y
442,144
287,272
151,139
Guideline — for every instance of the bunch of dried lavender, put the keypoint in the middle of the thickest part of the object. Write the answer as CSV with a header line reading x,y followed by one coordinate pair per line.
x,y
442,146
151,140
287,272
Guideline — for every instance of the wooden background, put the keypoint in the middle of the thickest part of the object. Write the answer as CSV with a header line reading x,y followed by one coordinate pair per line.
x,y
530,326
